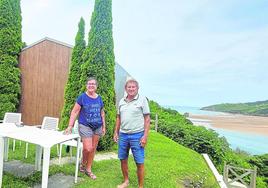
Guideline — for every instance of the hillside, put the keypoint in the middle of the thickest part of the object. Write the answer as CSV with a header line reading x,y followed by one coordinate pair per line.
x,y
259,108
167,164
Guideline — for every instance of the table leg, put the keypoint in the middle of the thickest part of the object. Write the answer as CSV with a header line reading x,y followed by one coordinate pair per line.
x,y
6,146
45,170
2,148
77,160
38,156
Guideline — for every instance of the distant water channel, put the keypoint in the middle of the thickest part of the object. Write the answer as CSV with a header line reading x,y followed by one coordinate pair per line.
x,y
251,143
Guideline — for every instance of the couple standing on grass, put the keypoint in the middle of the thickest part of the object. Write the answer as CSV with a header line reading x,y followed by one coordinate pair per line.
x,y
131,129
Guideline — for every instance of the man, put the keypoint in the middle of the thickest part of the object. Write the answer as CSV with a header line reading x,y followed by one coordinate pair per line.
x,y
132,129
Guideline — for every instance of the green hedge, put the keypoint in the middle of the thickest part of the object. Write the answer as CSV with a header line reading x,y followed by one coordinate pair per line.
x,y
10,46
99,62
72,88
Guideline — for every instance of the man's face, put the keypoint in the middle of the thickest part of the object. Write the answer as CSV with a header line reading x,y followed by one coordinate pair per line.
x,y
132,89
91,86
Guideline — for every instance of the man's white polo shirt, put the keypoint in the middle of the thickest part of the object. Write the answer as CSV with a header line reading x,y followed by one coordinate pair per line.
x,y
132,114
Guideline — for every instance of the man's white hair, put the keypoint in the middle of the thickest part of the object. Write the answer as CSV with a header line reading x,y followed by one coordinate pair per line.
x,y
130,79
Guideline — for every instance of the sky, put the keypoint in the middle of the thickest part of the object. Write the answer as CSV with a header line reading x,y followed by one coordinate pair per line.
x,y
182,52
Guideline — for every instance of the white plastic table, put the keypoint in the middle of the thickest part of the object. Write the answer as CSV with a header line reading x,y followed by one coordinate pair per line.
x,y
41,138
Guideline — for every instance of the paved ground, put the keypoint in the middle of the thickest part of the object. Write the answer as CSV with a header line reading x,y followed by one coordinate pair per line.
x,y
19,169
60,181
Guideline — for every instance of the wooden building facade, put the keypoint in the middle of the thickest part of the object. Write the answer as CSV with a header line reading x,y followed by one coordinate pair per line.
x,y
44,69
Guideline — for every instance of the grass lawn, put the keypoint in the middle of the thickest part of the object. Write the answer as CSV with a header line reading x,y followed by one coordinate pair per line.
x,y
167,164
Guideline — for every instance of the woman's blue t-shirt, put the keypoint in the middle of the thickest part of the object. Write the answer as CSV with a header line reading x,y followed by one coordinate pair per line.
x,y
90,113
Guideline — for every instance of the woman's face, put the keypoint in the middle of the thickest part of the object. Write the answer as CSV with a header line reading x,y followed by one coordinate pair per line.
x,y
91,86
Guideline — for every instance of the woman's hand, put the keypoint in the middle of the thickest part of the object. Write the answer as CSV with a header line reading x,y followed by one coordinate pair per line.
x,y
68,130
103,131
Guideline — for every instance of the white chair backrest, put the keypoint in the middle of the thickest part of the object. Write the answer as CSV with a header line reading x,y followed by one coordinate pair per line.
x,y
12,118
75,128
50,123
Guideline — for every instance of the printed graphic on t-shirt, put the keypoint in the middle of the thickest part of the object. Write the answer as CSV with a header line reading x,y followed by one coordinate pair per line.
x,y
93,116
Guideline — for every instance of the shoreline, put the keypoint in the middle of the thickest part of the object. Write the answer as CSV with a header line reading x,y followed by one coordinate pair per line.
x,y
235,122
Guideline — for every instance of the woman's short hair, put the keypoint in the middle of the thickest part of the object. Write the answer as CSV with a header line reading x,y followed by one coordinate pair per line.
x,y
132,80
92,78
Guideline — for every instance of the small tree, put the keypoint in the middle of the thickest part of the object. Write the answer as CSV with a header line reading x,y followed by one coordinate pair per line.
x,y
99,62
73,87
10,46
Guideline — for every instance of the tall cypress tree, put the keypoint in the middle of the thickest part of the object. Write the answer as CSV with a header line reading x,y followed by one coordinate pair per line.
x,y
10,46
72,88
99,62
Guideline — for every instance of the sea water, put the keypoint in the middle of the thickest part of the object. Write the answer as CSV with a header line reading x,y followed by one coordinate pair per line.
x,y
251,143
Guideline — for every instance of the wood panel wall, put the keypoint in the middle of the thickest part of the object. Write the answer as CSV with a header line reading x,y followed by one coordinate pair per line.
x,y
44,72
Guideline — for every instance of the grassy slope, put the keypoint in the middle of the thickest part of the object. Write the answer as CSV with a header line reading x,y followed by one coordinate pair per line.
x,y
254,108
167,165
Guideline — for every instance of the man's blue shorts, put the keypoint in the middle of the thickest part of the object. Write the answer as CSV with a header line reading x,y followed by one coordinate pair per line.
x,y
131,141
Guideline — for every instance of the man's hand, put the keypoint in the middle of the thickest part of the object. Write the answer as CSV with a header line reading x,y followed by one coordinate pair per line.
x,y
116,137
68,130
143,141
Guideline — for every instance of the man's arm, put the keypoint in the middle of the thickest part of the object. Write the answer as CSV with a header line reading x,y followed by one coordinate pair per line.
x,y
147,121
117,127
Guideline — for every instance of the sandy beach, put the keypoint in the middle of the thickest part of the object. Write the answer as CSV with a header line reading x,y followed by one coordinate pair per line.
x,y
239,123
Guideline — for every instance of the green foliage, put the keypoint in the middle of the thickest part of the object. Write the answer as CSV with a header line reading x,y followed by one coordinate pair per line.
x,y
73,86
178,128
99,61
197,138
175,126
10,46
259,108
261,162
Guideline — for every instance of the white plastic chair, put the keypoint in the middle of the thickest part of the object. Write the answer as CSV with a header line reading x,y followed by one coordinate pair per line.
x,y
49,123
11,117
72,143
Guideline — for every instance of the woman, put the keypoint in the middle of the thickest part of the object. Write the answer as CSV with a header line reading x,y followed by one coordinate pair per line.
x,y
89,107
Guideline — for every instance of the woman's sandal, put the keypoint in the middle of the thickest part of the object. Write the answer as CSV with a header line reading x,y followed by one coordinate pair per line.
x,y
90,174
82,168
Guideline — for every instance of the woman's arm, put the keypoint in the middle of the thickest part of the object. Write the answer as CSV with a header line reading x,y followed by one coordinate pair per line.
x,y
103,122
75,111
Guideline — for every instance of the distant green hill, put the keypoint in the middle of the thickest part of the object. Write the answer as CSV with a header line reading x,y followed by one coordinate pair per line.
x,y
259,108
